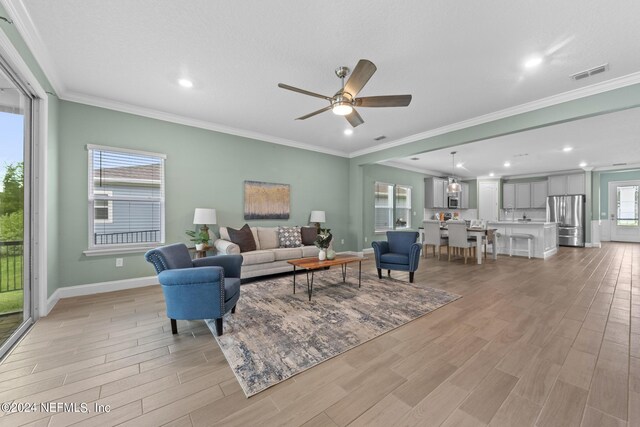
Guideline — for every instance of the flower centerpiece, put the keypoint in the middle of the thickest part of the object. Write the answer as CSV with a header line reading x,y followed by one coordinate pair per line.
x,y
323,242
200,238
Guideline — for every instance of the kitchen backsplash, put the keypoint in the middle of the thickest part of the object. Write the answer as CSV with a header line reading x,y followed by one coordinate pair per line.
x,y
534,214
466,214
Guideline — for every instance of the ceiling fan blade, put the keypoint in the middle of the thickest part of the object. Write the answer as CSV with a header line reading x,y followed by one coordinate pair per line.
x,y
302,91
354,118
384,101
360,76
314,113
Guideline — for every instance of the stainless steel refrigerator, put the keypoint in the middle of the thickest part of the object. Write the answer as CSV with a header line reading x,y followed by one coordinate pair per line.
x,y
568,212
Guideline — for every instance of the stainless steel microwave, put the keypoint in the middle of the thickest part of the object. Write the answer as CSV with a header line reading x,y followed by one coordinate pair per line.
x,y
453,202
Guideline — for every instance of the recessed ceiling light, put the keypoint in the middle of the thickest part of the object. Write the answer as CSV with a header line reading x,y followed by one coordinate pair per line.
x,y
459,165
492,174
533,62
185,83
348,131
415,158
583,164
567,149
507,164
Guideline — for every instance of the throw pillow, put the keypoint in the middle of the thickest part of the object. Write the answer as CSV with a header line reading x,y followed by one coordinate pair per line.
x,y
290,237
309,235
243,238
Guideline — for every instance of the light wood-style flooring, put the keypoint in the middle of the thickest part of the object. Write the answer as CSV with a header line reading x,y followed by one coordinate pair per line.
x,y
532,342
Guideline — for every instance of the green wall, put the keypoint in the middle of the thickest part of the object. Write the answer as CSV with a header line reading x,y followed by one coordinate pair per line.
x,y
391,175
604,179
473,193
203,169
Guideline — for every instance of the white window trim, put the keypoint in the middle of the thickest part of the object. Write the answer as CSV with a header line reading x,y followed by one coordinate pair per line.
x,y
109,219
125,248
393,208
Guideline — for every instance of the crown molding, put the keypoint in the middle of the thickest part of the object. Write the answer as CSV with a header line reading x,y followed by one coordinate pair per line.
x,y
622,168
27,29
608,85
174,118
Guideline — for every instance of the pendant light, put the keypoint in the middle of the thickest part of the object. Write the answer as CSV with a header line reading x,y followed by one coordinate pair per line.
x,y
454,186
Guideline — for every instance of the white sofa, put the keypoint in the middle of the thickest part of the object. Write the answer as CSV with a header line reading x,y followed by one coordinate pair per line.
x,y
268,258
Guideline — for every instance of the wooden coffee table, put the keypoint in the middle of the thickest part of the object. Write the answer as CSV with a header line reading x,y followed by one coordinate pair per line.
x,y
313,264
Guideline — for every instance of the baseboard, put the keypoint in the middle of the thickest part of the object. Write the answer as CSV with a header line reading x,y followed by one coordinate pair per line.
x,y
98,288
593,245
367,251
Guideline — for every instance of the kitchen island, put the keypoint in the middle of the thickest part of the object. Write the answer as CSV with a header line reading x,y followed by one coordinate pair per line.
x,y
545,237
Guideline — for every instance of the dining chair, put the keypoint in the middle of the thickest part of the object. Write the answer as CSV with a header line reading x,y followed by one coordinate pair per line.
x,y
433,237
458,238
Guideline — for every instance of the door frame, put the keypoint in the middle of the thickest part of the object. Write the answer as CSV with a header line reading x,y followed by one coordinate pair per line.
x,y
612,207
39,179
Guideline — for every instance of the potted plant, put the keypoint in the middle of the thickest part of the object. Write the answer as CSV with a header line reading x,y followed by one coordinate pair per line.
x,y
322,242
200,238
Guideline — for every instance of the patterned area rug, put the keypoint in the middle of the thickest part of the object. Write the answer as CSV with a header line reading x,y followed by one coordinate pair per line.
x,y
275,334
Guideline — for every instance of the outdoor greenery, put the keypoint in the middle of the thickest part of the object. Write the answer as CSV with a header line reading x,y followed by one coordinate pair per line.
x,y
11,229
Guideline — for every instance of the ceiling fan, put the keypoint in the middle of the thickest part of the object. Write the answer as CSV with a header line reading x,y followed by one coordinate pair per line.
x,y
344,101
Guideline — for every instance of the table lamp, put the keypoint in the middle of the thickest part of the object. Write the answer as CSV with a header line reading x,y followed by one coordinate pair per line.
x,y
317,217
204,216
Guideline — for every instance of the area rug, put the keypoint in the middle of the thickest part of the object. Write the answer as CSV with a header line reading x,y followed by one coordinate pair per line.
x,y
275,334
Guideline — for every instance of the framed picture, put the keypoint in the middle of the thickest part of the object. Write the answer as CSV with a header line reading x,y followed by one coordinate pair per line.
x,y
265,200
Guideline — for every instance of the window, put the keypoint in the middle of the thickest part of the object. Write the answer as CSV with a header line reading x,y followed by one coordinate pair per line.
x,y
628,206
126,198
103,209
392,207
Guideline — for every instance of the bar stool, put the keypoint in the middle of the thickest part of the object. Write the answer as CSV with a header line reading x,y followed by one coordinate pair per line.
x,y
516,236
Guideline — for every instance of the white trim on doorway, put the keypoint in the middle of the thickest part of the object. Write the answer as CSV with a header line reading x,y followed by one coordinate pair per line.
x,y
39,154
630,234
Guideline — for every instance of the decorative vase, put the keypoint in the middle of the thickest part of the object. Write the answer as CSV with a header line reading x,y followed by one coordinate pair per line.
x,y
200,246
331,254
322,255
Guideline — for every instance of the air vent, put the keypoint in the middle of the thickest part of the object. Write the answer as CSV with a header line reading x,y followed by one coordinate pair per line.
x,y
619,164
521,155
379,138
591,72
415,158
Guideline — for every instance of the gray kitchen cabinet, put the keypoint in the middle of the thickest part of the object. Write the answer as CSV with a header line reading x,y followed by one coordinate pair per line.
x,y
508,196
523,195
575,183
557,185
435,193
539,194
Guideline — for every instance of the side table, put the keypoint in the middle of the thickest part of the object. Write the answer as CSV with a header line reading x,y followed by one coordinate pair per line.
x,y
202,253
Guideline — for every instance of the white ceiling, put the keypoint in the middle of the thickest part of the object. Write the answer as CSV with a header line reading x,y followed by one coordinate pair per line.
x,y
600,142
459,60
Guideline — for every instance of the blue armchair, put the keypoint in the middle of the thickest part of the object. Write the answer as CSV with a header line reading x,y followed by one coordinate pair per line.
x,y
399,252
204,288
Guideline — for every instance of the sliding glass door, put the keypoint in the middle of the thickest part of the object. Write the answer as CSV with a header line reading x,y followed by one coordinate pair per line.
x,y
15,220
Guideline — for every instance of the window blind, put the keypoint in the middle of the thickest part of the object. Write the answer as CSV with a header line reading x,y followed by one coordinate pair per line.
x,y
126,197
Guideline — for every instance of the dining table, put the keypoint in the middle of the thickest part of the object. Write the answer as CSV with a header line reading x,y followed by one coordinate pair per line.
x,y
477,232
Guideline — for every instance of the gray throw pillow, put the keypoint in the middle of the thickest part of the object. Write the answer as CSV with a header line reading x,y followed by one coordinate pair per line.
x,y
290,237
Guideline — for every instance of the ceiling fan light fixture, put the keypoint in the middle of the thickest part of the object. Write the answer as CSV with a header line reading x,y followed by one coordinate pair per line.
x,y
341,108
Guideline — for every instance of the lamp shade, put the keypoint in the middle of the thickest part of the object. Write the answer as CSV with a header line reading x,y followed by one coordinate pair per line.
x,y
205,216
454,187
317,216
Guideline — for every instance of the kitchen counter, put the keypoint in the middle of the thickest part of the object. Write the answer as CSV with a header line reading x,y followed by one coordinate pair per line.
x,y
545,237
